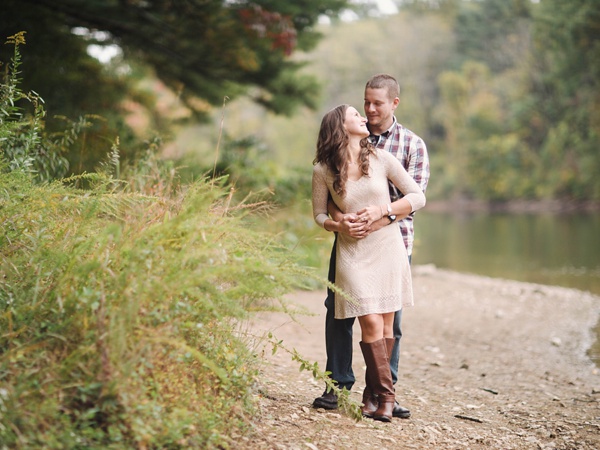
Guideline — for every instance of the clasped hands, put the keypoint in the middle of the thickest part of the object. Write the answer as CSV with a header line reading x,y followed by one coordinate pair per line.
x,y
362,223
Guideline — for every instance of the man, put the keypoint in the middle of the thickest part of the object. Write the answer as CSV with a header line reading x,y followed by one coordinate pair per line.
x,y
382,96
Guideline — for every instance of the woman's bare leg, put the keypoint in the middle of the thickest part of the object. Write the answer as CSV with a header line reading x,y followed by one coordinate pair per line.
x,y
371,327
388,325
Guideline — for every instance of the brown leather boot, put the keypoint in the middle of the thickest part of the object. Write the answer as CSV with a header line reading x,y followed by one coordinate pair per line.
x,y
369,399
378,366
389,345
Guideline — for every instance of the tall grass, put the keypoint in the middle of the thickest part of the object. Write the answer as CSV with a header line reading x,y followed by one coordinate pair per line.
x,y
120,296
117,311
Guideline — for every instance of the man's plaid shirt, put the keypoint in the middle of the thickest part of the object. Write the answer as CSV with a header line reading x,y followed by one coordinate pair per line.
x,y
412,153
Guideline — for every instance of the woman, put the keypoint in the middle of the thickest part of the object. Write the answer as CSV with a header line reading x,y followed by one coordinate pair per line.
x,y
372,272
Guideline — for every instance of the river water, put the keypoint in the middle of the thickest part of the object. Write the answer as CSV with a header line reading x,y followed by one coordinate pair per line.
x,y
552,249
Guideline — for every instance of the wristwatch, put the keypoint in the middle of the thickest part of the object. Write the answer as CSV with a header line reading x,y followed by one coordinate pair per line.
x,y
391,217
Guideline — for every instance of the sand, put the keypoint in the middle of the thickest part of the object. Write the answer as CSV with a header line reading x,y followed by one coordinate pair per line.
x,y
485,364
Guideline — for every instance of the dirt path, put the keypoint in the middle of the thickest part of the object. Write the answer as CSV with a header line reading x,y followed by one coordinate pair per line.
x,y
485,364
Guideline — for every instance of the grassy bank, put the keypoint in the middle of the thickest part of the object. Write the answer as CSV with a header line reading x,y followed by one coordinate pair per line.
x,y
123,292
118,312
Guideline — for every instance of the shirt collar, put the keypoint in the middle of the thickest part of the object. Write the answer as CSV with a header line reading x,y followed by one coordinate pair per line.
x,y
376,138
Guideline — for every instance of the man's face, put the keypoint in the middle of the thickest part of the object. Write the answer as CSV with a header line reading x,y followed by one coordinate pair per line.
x,y
379,109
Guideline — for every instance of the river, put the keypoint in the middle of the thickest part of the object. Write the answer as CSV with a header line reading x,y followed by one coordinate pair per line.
x,y
552,249
561,250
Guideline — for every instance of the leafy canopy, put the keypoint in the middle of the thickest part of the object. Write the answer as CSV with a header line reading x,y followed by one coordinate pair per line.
x,y
202,49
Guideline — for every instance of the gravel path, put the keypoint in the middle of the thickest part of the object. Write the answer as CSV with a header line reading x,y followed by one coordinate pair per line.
x,y
485,364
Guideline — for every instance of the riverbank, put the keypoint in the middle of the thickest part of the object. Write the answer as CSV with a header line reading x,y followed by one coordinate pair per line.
x,y
485,364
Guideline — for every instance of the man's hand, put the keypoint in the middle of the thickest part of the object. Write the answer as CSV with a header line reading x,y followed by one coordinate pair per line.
x,y
351,226
379,224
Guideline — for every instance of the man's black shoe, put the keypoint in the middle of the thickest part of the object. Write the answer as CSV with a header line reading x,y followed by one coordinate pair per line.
x,y
327,401
400,412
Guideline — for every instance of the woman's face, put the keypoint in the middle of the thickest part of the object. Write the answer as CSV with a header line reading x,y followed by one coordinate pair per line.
x,y
355,124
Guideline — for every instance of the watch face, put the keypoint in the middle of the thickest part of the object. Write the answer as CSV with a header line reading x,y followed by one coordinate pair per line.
x,y
392,218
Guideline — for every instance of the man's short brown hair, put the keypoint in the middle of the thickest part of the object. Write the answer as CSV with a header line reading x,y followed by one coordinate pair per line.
x,y
384,81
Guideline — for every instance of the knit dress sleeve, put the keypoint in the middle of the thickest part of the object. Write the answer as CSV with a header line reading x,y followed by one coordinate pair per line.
x,y
320,194
403,181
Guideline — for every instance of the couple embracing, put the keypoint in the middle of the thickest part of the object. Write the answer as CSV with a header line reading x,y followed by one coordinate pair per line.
x,y
369,178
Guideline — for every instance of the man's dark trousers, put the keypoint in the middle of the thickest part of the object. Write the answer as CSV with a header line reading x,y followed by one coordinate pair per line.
x,y
338,339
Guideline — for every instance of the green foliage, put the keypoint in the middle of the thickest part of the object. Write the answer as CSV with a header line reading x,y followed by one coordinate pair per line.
x,y
72,83
479,146
250,168
520,115
296,230
537,85
23,142
495,169
446,8
121,296
345,403
200,49
563,97
492,31
117,313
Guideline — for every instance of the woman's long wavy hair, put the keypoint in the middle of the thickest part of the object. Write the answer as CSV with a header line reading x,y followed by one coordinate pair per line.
x,y
331,148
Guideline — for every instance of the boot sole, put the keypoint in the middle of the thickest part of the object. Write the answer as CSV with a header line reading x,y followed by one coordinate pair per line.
x,y
324,405
383,419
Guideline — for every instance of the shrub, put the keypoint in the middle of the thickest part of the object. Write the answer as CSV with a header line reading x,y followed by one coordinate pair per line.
x,y
118,314
120,296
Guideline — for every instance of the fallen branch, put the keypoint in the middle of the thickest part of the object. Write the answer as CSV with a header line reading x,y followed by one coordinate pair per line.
x,y
491,391
472,419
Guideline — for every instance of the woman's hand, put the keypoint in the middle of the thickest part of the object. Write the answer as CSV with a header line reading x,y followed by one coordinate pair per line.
x,y
370,214
351,226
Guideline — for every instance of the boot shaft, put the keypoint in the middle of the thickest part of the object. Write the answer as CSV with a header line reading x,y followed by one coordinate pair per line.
x,y
378,367
380,377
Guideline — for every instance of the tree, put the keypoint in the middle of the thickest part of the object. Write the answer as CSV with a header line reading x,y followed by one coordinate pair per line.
x,y
493,31
561,119
202,49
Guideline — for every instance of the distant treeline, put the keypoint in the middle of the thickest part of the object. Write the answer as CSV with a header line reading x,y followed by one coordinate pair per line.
x,y
505,93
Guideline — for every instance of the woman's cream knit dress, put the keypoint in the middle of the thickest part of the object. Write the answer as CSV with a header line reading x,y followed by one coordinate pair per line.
x,y
374,272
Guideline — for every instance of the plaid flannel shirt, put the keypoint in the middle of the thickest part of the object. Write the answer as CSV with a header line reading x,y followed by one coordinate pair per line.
x,y
411,151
